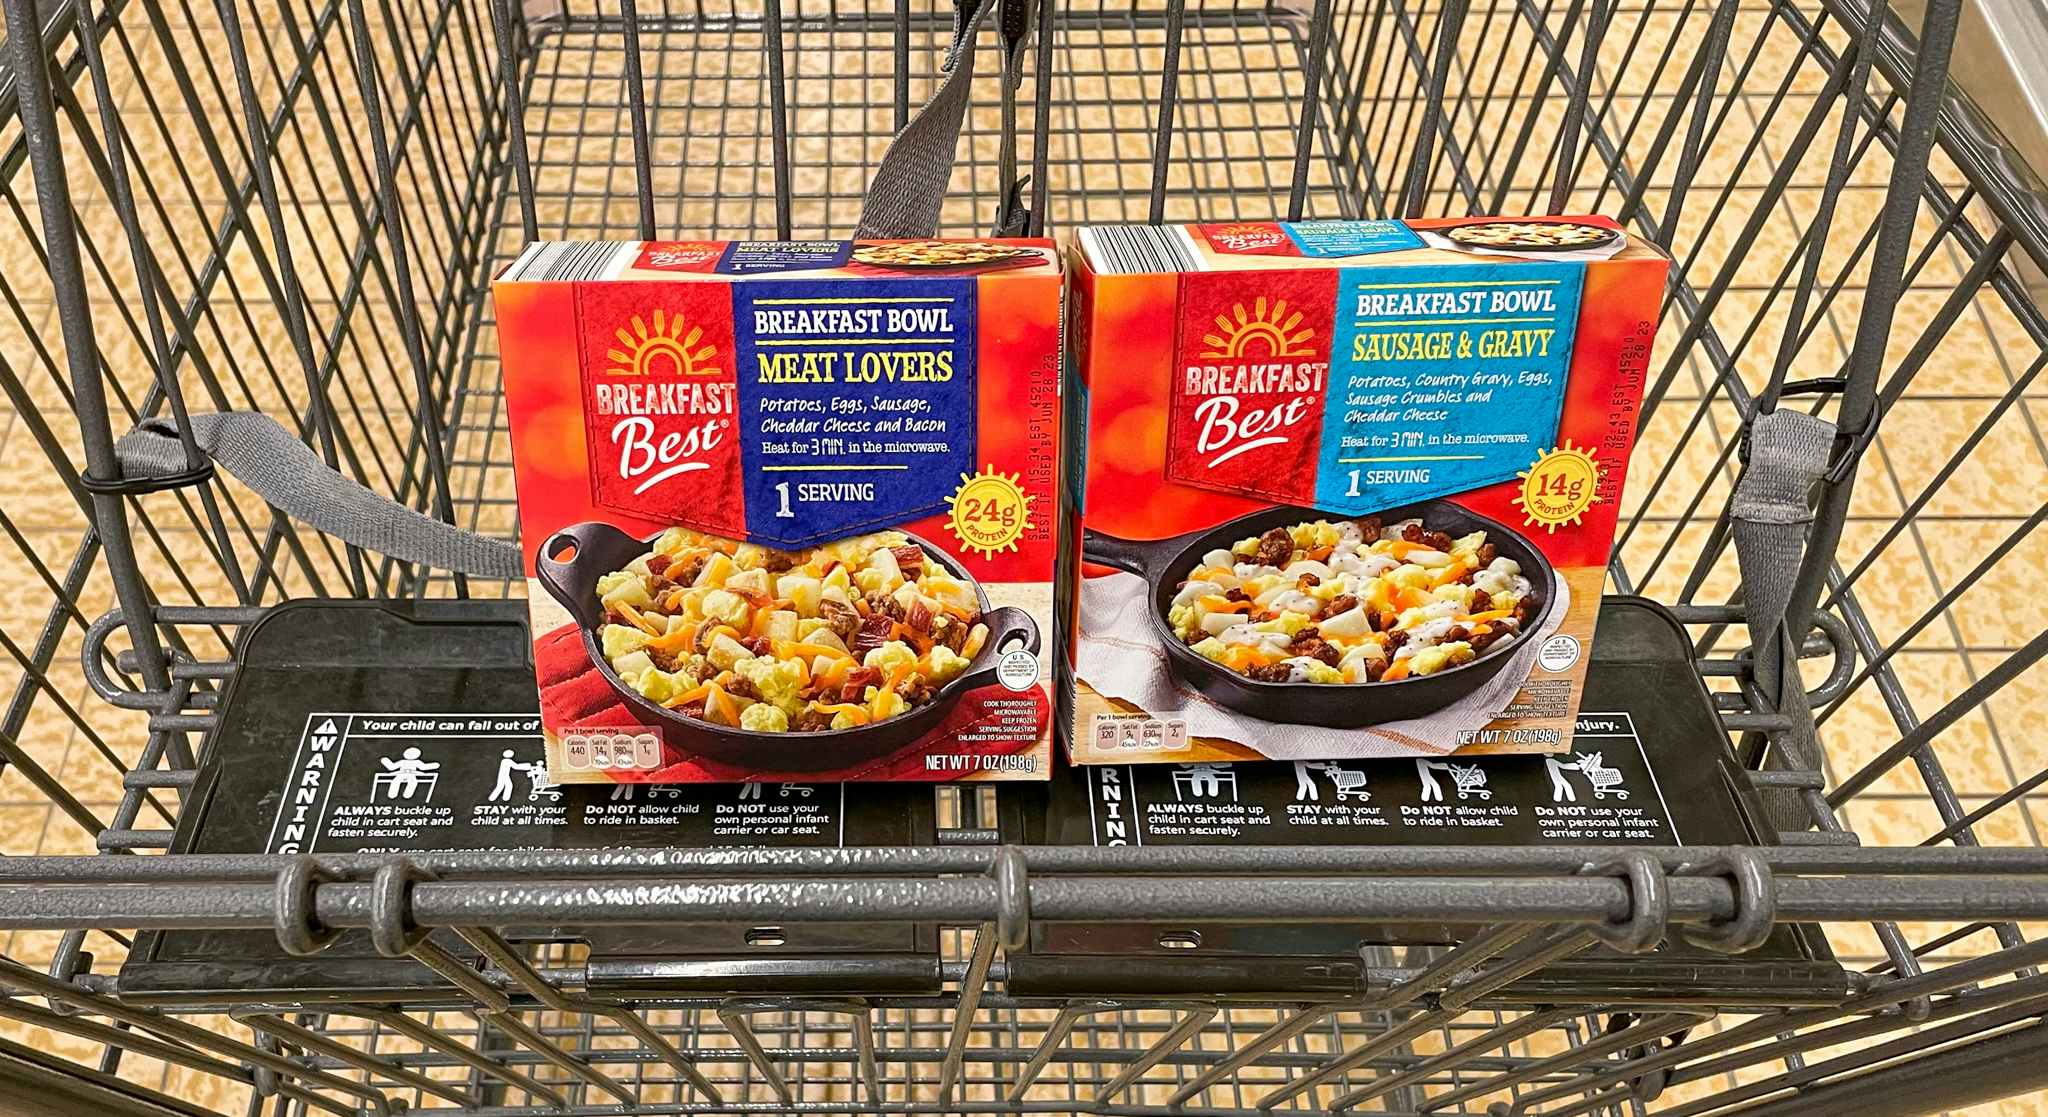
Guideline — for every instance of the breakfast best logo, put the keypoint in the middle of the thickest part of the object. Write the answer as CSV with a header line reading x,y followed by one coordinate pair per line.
x,y
681,255
662,402
1251,377
1249,238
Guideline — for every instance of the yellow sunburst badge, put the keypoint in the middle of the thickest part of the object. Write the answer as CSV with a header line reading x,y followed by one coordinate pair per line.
x,y
669,340
1559,486
1262,330
991,511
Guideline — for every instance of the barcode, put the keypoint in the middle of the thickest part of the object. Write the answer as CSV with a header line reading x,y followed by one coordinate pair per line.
x,y
557,260
1137,249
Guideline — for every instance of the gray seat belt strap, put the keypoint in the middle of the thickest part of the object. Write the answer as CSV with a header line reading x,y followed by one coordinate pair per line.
x,y
909,184
271,460
1771,510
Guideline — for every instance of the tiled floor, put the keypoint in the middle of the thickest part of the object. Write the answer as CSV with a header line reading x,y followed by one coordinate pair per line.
x,y
1957,500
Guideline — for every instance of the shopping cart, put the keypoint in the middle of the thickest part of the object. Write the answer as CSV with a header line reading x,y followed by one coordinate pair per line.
x,y
1346,782
295,208
1602,780
1468,780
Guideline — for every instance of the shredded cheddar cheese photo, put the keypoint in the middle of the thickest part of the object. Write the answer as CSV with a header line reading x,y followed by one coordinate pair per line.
x,y
1351,601
835,637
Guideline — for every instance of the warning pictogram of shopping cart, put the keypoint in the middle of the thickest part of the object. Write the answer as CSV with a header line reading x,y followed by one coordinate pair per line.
x,y
1603,780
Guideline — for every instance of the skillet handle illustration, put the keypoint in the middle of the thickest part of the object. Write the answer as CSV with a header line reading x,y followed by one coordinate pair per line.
x,y
1132,556
567,570
1008,626
1007,622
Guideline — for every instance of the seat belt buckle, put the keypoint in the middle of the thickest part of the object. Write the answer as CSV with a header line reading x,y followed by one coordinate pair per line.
x,y
1849,448
1014,21
963,26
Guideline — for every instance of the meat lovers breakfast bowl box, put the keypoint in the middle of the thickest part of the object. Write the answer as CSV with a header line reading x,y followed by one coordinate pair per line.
x,y
1344,489
787,507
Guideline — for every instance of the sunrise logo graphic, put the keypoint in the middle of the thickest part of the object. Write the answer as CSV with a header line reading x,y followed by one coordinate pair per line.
x,y
1265,330
670,341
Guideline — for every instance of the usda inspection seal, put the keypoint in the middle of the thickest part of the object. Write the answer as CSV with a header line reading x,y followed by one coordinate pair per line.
x,y
1559,653
1017,670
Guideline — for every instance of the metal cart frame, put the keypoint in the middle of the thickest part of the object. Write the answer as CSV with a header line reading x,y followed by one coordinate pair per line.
x,y
296,209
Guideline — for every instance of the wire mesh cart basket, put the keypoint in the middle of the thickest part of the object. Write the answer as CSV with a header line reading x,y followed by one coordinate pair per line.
x,y
295,208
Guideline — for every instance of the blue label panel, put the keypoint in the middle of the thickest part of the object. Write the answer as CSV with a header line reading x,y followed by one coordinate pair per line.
x,y
1327,239
754,257
857,402
1443,379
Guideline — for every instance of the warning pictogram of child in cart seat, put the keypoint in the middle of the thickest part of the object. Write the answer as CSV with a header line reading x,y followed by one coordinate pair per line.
x,y
405,777
1603,781
1204,781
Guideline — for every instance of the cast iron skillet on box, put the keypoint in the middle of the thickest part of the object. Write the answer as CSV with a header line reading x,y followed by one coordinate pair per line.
x,y
1166,563
572,560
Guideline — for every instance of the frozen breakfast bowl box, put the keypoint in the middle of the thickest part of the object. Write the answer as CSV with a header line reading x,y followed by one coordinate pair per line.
x,y
787,507
1350,487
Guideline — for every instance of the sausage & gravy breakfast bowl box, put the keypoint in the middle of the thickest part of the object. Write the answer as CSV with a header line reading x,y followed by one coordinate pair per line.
x,y
787,507
1350,487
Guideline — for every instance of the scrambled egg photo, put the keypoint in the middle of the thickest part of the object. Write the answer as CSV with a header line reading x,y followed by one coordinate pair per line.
x,y
1530,234
838,636
1351,602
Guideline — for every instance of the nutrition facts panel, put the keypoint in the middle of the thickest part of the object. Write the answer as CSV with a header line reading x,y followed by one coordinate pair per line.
x,y
1606,790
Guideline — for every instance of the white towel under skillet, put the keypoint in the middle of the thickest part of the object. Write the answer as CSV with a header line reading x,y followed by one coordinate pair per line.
x,y
1120,657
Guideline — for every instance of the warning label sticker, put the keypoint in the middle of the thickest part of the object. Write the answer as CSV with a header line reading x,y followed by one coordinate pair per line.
x,y
368,783
383,782
1604,791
